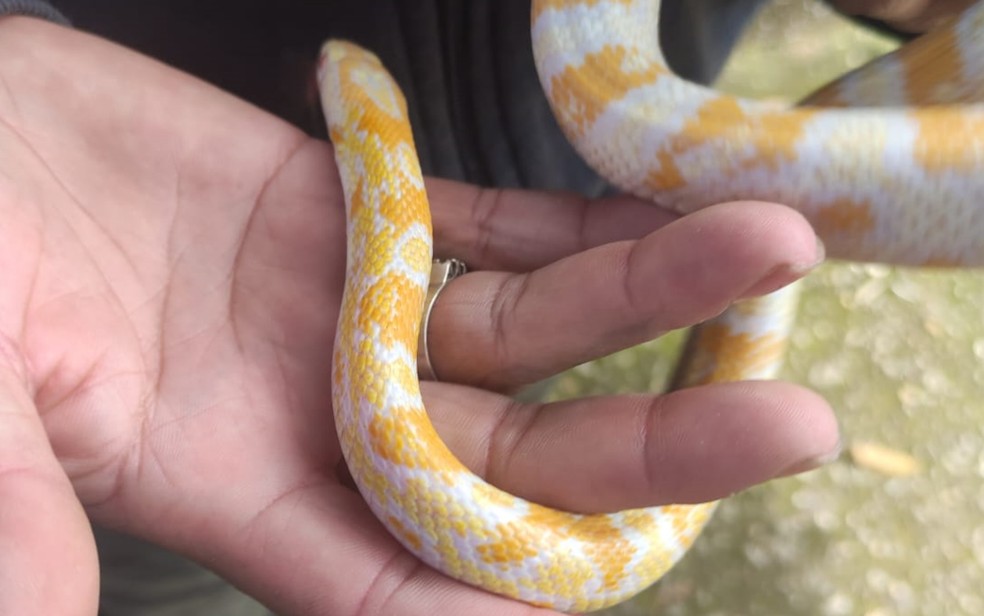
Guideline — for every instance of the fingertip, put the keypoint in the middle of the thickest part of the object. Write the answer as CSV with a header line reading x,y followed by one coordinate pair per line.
x,y
772,232
694,268
748,433
809,428
783,237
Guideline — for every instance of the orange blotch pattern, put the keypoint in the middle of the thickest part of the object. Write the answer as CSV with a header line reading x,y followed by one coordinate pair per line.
x,y
406,437
844,216
489,494
392,299
405,533
665,176
933,68
763,139
542,6
773,136
942,262
581,93
608,547
687,521
724,356
940,146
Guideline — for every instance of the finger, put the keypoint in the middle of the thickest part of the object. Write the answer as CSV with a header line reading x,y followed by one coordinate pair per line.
x,y
324,552
614,453
906,15
520,230
501,331
48,561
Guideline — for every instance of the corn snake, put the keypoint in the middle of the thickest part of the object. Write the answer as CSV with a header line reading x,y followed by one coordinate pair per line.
x,y
863,177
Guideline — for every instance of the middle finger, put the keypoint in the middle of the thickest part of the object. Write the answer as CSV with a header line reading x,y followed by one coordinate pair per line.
x,y
501,330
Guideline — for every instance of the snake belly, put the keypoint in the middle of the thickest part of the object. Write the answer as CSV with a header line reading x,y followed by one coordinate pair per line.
x,y
898,185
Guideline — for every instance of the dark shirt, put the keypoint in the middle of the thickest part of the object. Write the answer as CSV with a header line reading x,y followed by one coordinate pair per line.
x,y
466,67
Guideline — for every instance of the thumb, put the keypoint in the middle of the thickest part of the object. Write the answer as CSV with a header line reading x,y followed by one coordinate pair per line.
x,y
48,561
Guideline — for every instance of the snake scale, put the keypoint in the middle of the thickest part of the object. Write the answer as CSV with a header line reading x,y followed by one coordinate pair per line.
x,y
887,164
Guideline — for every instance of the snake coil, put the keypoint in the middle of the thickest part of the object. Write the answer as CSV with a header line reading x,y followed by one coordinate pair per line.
x,y
895,184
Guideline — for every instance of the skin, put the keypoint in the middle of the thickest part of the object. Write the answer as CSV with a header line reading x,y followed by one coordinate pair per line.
x,y
906,15
171,271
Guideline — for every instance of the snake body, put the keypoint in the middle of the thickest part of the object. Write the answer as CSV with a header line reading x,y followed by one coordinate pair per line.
x,y
892,184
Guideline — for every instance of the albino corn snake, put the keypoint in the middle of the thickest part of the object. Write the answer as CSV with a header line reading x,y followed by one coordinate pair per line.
x,y
892,183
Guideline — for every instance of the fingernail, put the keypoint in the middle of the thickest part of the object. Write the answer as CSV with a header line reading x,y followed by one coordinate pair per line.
x,y
812,462
819,256
786,273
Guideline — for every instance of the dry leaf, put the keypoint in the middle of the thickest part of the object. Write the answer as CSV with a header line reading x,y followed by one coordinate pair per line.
x,y
884,460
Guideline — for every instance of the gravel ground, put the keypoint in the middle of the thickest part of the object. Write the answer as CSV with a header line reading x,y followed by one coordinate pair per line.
x,y
895,526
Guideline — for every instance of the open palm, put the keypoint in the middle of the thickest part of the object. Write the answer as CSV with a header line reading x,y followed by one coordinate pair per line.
x,y
171,263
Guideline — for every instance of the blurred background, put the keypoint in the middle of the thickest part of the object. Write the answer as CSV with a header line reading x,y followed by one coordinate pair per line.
x,y
895,525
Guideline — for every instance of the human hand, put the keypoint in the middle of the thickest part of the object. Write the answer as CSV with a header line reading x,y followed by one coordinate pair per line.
x,y
172,262
906,15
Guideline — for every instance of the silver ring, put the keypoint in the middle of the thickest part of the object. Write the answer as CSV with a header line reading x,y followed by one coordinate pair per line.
x,y
443,271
